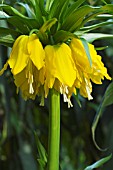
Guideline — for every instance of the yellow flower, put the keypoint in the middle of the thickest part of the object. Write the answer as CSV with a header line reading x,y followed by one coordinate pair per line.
x,y
27,65
87,73
60,70
63,67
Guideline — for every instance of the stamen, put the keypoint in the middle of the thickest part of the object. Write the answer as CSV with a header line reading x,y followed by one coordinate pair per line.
x,y
64,90
88,90
29,75
31,90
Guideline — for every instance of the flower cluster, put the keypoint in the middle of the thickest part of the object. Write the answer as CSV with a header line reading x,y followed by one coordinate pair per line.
x,y
62,67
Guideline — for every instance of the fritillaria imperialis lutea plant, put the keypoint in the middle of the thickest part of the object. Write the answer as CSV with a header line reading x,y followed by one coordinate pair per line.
x,y
51,55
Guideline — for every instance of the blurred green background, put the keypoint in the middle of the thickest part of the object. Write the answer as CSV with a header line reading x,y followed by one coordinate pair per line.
x,y
19,119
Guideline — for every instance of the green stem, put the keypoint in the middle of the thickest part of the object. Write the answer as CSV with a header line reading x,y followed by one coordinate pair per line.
x,y
54,130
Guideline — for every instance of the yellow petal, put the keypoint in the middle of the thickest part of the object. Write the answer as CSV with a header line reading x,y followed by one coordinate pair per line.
x,y
19,55
22,82
36,51
59,63
99,71
49,82
79,55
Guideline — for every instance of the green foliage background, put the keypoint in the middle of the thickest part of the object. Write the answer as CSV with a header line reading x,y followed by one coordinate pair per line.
x,y
19,119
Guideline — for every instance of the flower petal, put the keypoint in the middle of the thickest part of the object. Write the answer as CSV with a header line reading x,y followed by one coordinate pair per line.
x,y
79,55
22,82
36,51
19,55
59,63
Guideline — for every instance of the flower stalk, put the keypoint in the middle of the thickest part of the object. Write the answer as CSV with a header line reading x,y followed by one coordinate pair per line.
x,y
54,130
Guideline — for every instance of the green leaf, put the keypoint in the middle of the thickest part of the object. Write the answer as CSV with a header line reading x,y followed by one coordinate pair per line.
x,y
108,97
37,7
42,153
17,22
85,44
95,26
17,19
101,48
3,15
102,10
106,101
8,36
11,11
42,7
94,125
48,4
53,8
104,1
27,8
73,7
63,11
74,20
99,163
62,36
38,13
90,37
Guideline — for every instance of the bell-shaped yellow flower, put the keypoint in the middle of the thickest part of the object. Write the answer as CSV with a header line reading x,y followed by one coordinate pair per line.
x,y
60,70
87,73
27,64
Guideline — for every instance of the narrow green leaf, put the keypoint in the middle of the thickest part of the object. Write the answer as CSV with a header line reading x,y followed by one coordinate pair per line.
x,y
106,101
31,3
42,152
102,10
90,37
101,48
8,36
57,8
42,7
37,10
11,11
73,7
107,8
108,97
27,9
48,4
3,15
99,163
104,1
95,26
53,8
61,7
85,44
63,11
94,125
17,19
38,13
74,20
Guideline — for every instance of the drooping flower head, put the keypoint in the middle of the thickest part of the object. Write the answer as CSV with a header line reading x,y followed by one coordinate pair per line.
x,y
65,66
88,73
62,67
27,65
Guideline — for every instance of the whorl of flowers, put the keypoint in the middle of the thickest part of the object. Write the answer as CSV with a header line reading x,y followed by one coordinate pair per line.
x,y
47,51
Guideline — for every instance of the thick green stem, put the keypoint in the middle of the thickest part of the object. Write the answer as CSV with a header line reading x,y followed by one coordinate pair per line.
x,y
54,130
